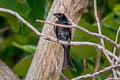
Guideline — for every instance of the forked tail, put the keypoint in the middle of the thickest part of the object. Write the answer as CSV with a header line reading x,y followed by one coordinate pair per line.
x,y
67,59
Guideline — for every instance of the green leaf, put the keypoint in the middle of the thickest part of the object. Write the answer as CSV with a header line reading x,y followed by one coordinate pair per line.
x,y
110,20
110,25
22,66
12,21
20,6
39,8
83,52
39,11
27,48
116,8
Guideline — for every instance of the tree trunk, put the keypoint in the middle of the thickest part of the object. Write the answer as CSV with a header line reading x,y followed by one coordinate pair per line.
x,y
48,59
6,73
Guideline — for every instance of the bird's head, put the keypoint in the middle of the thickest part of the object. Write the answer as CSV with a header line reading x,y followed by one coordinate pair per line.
x,y
60,16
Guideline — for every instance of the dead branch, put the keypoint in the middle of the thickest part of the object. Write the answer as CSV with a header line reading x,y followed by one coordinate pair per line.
x,y
82,29
97,73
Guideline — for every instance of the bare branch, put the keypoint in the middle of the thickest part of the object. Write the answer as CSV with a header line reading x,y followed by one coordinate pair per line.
x,y
97,73
112,79
114,51
101,40
116,39
20,18
97,61
60,25
82,29
4,29
65,42
98,22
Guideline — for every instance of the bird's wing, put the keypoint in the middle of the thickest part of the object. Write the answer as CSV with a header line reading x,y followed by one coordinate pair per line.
x,y
56,29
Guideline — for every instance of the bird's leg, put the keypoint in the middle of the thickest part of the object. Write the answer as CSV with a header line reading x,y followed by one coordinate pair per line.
x,y
57,40
69,41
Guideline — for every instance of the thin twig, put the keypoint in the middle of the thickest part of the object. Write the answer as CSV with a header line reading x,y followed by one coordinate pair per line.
x,y
114,50
98,23
4,29
101,40
116,39
20,18
60,25
97,73
97,61
85,65
112,79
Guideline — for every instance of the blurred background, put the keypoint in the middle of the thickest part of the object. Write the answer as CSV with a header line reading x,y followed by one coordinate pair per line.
x,y
18,43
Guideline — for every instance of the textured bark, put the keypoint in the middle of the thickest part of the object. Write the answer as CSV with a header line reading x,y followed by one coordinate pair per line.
x,y
6,73
48,53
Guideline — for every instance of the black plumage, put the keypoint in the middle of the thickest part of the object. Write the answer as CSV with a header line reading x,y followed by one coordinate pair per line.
x,y
65,35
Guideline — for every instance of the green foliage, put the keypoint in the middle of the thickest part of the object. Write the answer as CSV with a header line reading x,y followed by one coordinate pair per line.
x,y
20,6
10,19
22,66
84,52
27,48
18,43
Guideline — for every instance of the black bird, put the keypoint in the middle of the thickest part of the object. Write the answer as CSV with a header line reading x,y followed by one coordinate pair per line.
x,y
65,35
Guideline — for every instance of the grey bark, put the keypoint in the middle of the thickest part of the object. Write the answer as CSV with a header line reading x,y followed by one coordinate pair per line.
x,y
6,73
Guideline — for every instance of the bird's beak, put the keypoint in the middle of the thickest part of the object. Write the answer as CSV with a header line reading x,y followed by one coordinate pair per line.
x,y
55,14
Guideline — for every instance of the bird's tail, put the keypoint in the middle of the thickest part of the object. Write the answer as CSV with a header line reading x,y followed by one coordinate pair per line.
x,y
67,58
